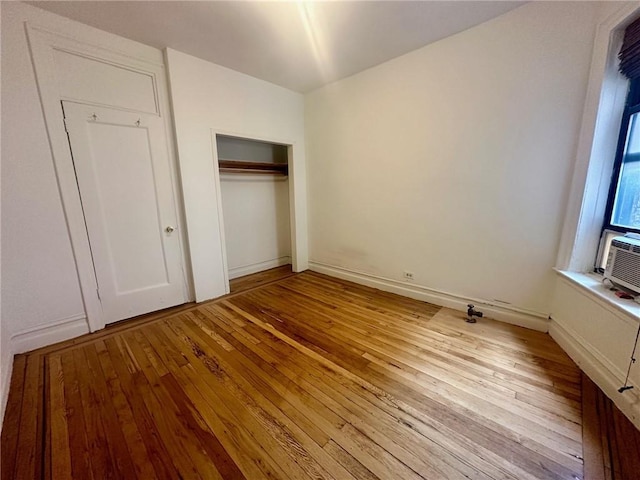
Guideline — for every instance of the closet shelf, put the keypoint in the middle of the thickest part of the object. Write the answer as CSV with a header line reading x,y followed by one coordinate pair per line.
x,y
239,166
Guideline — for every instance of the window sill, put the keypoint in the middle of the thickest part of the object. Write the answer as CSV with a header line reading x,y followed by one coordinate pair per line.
x,y
592,284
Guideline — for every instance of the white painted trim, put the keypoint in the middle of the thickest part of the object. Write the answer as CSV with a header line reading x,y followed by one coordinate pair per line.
x,y
49,333
258,267
44,68
218,188
599,369
297,214
597,142
42,44
590,286
170,131
299,263
250,136
508,314
150,58
6,383
62,43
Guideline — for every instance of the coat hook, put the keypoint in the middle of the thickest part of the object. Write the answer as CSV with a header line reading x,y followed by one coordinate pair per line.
x,y
138,123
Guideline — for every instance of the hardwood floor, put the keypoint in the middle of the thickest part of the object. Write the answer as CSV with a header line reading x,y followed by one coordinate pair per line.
x,y
258,279
611,442
305,377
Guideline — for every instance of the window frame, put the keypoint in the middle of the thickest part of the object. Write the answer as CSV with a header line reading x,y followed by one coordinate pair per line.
x,y
632,106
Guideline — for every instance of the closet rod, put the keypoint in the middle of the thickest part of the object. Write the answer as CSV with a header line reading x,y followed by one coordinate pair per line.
x,y
238,166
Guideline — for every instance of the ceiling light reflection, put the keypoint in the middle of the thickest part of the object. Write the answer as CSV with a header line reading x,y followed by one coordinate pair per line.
x,y
314,35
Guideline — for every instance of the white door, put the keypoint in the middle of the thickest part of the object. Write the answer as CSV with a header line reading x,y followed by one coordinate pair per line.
x,y
123,172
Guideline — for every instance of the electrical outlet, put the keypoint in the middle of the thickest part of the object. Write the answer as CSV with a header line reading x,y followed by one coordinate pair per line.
x,y
408,275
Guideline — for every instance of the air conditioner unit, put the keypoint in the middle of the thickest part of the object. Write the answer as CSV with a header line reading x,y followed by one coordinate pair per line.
x,y
623,263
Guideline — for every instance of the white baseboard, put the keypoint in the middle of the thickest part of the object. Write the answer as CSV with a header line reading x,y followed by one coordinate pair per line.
x,y
50,333
36,337
599,369
508,314
236,272
7,371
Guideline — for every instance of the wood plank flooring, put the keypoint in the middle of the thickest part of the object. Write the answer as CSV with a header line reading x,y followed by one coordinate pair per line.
x,y
258,279
305,377
611,441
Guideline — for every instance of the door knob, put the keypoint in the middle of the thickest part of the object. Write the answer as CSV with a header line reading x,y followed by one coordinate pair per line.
x,y
169,229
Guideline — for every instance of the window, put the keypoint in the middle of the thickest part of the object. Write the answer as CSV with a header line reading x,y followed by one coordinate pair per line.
x,y
623,207
622,214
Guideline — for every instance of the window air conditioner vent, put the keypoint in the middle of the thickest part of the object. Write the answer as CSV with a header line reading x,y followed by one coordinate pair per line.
x,y
623,264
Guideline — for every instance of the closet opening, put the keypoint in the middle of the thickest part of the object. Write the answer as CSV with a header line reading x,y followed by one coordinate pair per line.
x,y
254,189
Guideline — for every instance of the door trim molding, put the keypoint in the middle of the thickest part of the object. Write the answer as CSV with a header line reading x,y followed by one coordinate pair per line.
x,y
42,44
297,262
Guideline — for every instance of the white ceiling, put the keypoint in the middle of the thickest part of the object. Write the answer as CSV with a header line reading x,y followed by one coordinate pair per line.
x,y
298,45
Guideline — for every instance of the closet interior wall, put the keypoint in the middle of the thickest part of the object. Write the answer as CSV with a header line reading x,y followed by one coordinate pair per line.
x,y
255,204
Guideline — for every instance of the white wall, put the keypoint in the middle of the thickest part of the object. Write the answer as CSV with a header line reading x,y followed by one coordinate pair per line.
x,y
209,99
256,222
40,292
39,280
6,362
593,326
453,161
41,300
40,283
597,142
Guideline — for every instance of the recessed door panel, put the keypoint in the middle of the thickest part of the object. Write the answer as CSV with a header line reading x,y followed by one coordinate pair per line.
x,y
122,164
123,174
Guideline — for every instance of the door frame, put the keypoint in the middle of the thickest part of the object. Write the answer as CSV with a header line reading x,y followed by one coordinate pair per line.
x,y
297,263
42,44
